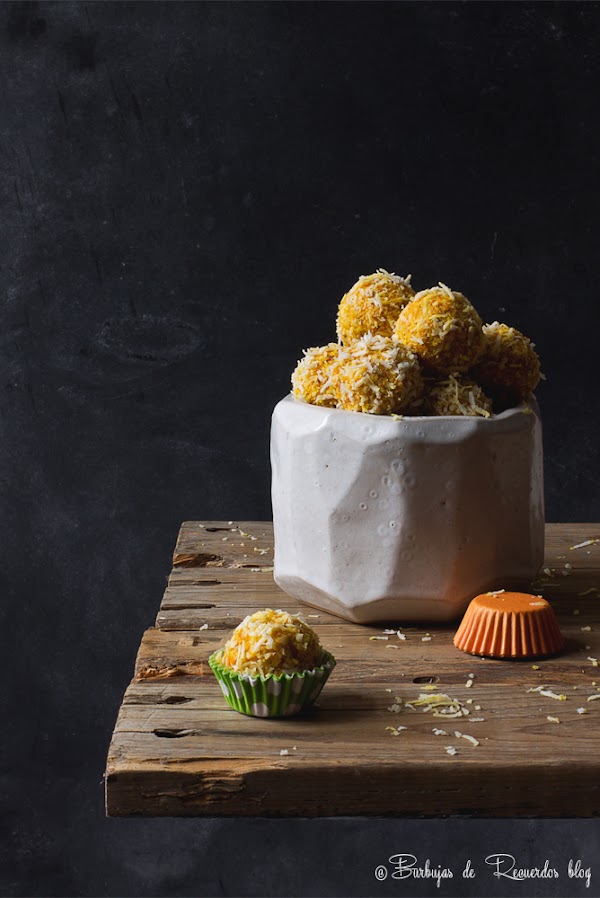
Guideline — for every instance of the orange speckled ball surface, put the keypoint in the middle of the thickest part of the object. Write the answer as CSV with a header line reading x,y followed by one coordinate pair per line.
x,y
313,377
509,360
372,305
379,376
443,329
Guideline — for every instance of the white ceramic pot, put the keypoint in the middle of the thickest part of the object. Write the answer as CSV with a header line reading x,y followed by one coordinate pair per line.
x,y
378,519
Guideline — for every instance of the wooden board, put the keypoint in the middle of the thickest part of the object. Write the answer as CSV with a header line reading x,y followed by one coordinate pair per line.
x,y
177,749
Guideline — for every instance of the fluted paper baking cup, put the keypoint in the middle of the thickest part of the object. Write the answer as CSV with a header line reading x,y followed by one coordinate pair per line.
x,y
509,625
272,696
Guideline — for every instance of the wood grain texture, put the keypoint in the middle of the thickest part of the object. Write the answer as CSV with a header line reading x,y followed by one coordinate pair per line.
x,y
177,749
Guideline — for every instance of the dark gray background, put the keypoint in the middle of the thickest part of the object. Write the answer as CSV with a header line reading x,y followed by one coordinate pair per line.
x,y
186,191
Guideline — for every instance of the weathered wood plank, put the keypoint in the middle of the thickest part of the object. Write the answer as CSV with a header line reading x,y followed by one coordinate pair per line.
x,y
199,693
437,658
178,749
275,787
359,728
221,567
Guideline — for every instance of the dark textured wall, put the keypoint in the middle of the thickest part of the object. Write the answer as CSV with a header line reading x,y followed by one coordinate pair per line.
x,y
185,192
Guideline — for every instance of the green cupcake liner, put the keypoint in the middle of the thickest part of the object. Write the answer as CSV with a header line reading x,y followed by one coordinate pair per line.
x,y
271,696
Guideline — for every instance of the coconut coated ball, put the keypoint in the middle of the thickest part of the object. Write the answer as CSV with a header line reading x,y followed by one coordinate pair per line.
x,y
443,329
271,643
458,395
509,361
312,378
372,305
379,376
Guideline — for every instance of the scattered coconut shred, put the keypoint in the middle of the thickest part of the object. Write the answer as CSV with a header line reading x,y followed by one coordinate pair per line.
x,y
395,731
587,542
471,739
548,693
458,735
440,705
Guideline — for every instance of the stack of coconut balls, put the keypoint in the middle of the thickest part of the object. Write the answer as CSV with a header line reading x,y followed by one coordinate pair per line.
x,y
427,353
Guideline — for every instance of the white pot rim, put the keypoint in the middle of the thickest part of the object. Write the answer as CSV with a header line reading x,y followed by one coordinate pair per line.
x,y
527,407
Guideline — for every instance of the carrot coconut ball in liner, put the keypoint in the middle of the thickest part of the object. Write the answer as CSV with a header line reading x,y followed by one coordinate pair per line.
x,y
372,305
272,665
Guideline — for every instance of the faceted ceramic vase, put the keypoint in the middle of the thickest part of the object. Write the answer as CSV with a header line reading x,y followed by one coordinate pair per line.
x,y
383,519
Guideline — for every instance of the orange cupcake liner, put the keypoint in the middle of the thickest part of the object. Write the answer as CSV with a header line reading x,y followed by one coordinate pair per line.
x,y
509,625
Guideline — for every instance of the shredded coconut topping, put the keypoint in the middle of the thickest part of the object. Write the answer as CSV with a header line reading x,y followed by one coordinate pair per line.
x,y
271,642
457,395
